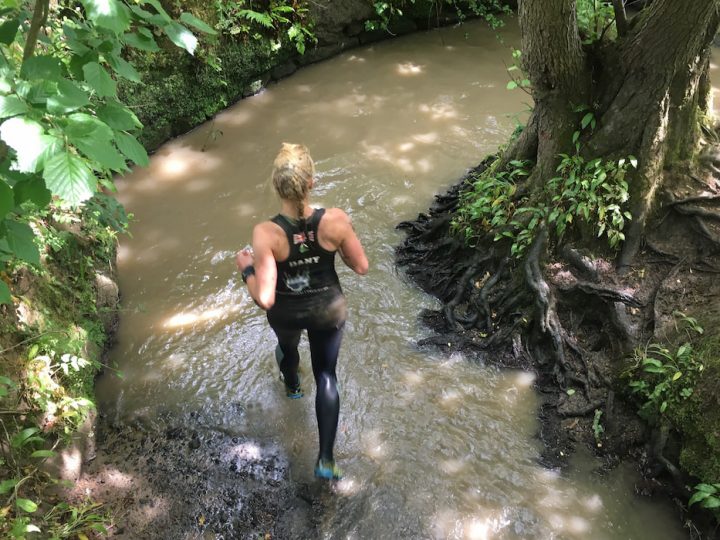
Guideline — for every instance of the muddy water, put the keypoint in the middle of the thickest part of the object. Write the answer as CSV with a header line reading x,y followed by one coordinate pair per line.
x,y
433,446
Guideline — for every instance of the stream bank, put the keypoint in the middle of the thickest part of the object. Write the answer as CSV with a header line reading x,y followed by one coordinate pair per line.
x,y
179,92
673,281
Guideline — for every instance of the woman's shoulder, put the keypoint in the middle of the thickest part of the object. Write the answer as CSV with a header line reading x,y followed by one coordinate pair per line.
x,y
267,228
337,215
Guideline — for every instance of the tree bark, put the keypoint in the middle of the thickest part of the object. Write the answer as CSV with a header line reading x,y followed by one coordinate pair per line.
x,y
557,67
39,18
647,90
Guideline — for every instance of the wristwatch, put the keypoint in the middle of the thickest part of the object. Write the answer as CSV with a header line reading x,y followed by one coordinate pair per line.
x,y
247,272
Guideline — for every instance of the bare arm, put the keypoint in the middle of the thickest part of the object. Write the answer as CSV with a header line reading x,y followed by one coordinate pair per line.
x,y
261,285
351,250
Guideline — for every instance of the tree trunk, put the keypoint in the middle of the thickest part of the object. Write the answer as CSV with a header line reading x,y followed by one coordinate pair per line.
x,y
646,90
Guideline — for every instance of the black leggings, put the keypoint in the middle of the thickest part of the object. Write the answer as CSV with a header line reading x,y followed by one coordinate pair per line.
x,y
324,348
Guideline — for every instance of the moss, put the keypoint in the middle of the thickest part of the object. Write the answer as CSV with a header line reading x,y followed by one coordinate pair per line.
x,y
180,91
699,418
694,417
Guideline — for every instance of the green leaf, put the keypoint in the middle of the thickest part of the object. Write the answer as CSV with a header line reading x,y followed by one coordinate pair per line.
x,y
81,126
41,67
181,36
698,496
7,485
677,375
99,79
512,85
42,453
69,177
26,504
262,19
12,106
587,119
132,149
663,406
19,439
191,20
5,296
652,361
8,31
7,199
30,142
653,369
123,68
19,237
570,391
138,41
103,153
159,9
711,502
69,98
706,488
118,117
110,14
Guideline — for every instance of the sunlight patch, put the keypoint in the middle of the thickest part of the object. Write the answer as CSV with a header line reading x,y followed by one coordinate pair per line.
x,y
409,69
247,451
180,320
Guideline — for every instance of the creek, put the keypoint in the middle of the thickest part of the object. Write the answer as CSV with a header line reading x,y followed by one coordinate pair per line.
x,y
432,446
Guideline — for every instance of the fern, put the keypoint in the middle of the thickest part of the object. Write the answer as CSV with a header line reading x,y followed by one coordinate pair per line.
x,y
260,18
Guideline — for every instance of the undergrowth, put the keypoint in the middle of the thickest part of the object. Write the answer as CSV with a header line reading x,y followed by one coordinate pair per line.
x,y
676,385
51,340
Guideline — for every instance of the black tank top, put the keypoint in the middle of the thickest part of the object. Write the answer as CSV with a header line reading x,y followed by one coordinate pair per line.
x,y
309,269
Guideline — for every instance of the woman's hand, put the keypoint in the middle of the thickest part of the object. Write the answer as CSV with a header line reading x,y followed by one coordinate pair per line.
x,y
244,258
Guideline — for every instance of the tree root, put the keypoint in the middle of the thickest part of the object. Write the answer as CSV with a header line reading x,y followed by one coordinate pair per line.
x,y
582,411
690,210
485,291
694,198
581,263
707,233
462,286
657,453
603,291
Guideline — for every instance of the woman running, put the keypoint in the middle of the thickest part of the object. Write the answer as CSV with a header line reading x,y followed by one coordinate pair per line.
x,y
290,273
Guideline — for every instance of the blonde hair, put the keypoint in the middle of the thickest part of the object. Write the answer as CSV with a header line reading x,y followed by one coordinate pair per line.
x,y
292,175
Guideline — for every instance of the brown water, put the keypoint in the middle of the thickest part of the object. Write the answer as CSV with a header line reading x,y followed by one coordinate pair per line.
x,y
433,446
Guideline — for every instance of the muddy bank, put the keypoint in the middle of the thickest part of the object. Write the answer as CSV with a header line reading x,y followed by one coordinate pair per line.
x,y
182,477
585,400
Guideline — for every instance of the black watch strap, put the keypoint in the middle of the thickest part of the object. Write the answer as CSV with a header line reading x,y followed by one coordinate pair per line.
x,y
249,271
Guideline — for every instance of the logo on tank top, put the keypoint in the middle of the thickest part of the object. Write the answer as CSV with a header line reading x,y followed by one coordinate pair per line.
x,y
299,282
301,239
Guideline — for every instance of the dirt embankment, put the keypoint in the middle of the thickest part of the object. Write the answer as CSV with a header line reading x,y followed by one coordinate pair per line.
x,y
489,312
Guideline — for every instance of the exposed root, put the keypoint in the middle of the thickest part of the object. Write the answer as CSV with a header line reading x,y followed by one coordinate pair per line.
x,y
485,291
582,411
463,285
657,453
606,293
695,198
581,263
707,233
690,210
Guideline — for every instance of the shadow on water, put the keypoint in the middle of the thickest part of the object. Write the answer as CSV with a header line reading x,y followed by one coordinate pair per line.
x,y
198,440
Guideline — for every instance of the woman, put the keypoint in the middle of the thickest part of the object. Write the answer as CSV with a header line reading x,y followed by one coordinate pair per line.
x,y
292,276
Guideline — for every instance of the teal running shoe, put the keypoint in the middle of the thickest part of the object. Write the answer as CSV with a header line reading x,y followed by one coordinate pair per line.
x,y
327,470
292,393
